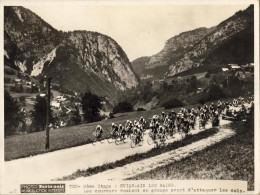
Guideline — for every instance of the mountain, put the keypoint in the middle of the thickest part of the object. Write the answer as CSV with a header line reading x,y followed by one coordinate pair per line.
x,y
76,61
232,41
157,65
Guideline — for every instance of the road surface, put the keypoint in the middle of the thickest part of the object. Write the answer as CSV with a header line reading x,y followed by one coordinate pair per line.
x,y
49,166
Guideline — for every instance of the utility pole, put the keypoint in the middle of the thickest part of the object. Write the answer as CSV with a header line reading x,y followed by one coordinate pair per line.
x,y
48,114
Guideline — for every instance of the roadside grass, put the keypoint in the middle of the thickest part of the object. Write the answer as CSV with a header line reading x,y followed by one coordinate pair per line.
x,y
231,159
137,157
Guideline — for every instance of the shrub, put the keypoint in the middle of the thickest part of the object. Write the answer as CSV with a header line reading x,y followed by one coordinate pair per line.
x,y
207,75
22,100
123,107
91,105
173,103
215,92
9,71
16,88
111,115
7,80
140,109
202,100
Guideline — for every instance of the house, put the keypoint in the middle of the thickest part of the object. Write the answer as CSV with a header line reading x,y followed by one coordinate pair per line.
x,y
199,90
18,81
232,65
248,67
235,67
225,69
61,98
55,104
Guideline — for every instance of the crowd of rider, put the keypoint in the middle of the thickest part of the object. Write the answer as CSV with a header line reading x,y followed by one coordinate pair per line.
x,y
181,122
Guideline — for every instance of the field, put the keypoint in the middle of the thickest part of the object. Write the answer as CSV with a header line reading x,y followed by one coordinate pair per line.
x,y
20,146
231,159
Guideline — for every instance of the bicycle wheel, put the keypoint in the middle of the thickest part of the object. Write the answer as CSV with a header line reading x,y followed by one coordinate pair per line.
x,y
125,138
110,140
94,142
141,142
132,144
150,140
117,140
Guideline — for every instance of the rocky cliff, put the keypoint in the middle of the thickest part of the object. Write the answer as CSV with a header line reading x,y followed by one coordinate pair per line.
x,y
78,60
157,65
232,41
239,25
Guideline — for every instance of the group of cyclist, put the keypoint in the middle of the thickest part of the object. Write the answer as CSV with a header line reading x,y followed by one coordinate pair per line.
x,y
164,125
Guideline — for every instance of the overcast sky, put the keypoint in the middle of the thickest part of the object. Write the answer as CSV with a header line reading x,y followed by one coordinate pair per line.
x,y
140,30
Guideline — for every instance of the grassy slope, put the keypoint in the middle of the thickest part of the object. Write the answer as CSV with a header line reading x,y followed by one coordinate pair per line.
x,y
231,159
19,146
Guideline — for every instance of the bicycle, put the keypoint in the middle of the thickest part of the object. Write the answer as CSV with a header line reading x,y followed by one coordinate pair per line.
x,y
120,138
136,140
98,137
113,136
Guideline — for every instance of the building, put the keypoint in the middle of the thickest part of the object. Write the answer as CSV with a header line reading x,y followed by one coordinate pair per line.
x,y
61,98
55,104
225,69
235,67
18,81
42,95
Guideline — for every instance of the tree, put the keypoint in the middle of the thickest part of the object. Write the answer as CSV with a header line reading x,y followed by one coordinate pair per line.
x,y
75,117
91,105
12,114
123,107
192,84
173,103
39,114
215,92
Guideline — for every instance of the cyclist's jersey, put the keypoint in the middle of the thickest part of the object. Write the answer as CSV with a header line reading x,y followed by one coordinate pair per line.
x,y
115,129
99,130
211,107
142,121
161,130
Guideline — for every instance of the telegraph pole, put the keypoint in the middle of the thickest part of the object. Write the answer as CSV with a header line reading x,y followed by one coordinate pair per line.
x,y
48,114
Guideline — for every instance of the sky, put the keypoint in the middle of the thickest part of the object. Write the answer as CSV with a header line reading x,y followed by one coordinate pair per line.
x,y
141,30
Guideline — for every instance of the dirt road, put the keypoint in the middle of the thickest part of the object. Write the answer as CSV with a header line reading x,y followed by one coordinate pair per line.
x,y
49,166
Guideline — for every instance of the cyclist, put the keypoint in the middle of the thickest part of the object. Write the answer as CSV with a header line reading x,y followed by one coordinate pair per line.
x,y
128,127
192,120
212,107
142,121
235,102
114,131
138,133
122,131
98,132
161,133
154,125
163,117
215,119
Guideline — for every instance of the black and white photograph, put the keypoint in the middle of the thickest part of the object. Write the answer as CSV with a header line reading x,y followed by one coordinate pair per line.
x,y
148,92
